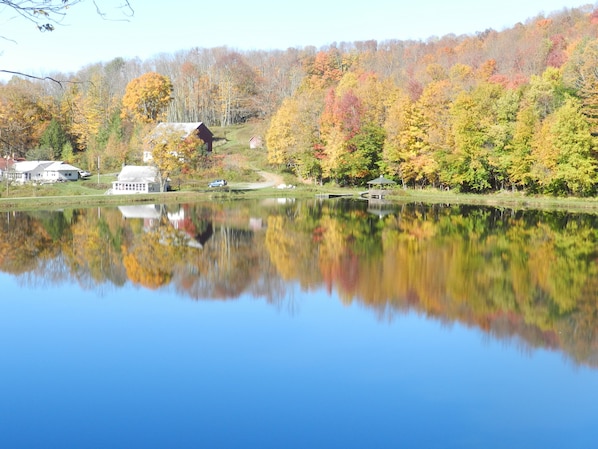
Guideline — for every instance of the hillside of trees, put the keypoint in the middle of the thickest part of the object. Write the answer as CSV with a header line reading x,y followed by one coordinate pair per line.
x,y
500,110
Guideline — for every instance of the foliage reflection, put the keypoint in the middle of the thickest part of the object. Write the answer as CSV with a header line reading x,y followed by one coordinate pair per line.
x,y
527,276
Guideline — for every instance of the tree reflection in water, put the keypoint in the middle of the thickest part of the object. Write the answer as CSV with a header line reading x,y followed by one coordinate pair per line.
x,y
526,275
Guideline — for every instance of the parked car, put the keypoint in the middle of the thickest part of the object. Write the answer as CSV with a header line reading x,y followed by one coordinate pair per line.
x,y
217,183
84,174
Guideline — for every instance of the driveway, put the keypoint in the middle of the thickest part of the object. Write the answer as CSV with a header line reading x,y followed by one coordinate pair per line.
x,y
270,180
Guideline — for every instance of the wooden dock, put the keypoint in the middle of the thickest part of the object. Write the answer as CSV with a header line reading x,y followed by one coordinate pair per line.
x,y
374,194
326,196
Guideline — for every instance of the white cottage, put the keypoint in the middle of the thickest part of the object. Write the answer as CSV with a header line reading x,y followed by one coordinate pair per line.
x,y
28,171
42,171
136,179
61,171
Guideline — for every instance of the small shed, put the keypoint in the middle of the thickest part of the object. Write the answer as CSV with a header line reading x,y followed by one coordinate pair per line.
x,y
378,187
256,142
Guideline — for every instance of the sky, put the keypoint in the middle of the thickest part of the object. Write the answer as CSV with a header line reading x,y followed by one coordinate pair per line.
x,y
84,37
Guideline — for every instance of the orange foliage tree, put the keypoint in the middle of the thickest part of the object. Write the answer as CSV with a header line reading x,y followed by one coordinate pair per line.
x,y
147,97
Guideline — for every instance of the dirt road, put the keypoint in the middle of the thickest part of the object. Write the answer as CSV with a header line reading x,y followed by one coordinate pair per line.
x,y
270,180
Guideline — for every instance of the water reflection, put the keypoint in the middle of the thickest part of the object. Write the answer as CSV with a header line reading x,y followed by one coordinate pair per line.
x,y
523,276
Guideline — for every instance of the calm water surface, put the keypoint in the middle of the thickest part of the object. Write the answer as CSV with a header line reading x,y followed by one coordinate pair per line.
x,y
298,324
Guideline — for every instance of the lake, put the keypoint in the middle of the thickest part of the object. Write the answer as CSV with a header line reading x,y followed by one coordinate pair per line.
x,y
296,324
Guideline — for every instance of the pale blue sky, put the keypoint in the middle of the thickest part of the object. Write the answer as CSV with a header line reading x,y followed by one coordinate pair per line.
x,y
85,38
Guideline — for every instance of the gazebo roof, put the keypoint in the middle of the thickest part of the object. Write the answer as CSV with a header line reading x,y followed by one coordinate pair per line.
x,y
381,180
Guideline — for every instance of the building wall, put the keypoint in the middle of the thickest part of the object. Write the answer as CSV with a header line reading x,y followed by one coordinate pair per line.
x,y
129,187
66,175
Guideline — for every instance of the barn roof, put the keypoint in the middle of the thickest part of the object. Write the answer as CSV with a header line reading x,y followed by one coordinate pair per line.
x,y
187,128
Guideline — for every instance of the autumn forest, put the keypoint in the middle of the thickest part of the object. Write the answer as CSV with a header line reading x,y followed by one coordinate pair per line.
x,y
515,109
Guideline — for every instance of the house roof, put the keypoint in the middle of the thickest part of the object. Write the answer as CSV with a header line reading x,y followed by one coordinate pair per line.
x,y
137,173
61,166
185,128
140,211
28,166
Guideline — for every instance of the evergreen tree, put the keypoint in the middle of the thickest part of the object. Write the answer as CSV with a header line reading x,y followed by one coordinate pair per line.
x,y
54,139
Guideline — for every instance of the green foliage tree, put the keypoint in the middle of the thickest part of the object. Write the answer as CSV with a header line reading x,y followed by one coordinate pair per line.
x,y
365,152
467,166
520,148
54,138
564,153
501,135
67,154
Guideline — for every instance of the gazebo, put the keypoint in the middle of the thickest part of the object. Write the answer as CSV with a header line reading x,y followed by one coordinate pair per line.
x,y
378,187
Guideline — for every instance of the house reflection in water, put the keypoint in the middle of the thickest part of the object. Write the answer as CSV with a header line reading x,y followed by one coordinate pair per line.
x,y
151,214
197,237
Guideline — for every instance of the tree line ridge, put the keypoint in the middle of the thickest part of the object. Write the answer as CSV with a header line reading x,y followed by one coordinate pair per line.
x,y
514,109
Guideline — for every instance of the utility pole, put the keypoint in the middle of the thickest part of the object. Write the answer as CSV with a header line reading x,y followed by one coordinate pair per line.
x,y
5,173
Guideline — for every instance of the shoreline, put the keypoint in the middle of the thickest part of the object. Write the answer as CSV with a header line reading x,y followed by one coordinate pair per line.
x,y
500,200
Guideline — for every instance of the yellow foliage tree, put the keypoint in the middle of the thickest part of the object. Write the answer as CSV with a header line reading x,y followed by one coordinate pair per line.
x,y
84,112
281,136
172,152
147,97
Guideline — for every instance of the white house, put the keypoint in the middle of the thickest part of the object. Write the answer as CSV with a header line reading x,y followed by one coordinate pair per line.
x,y
28,171
136,179
61,171
42,171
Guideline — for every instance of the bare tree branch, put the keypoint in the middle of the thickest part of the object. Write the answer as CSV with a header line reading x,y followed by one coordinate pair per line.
x,y
44,78
45,14
125,7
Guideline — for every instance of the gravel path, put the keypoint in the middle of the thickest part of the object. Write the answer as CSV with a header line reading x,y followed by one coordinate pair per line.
x,y
270,180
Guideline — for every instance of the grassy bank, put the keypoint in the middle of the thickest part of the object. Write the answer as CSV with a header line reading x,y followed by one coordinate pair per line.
x,y
91,198
504,199
74,196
